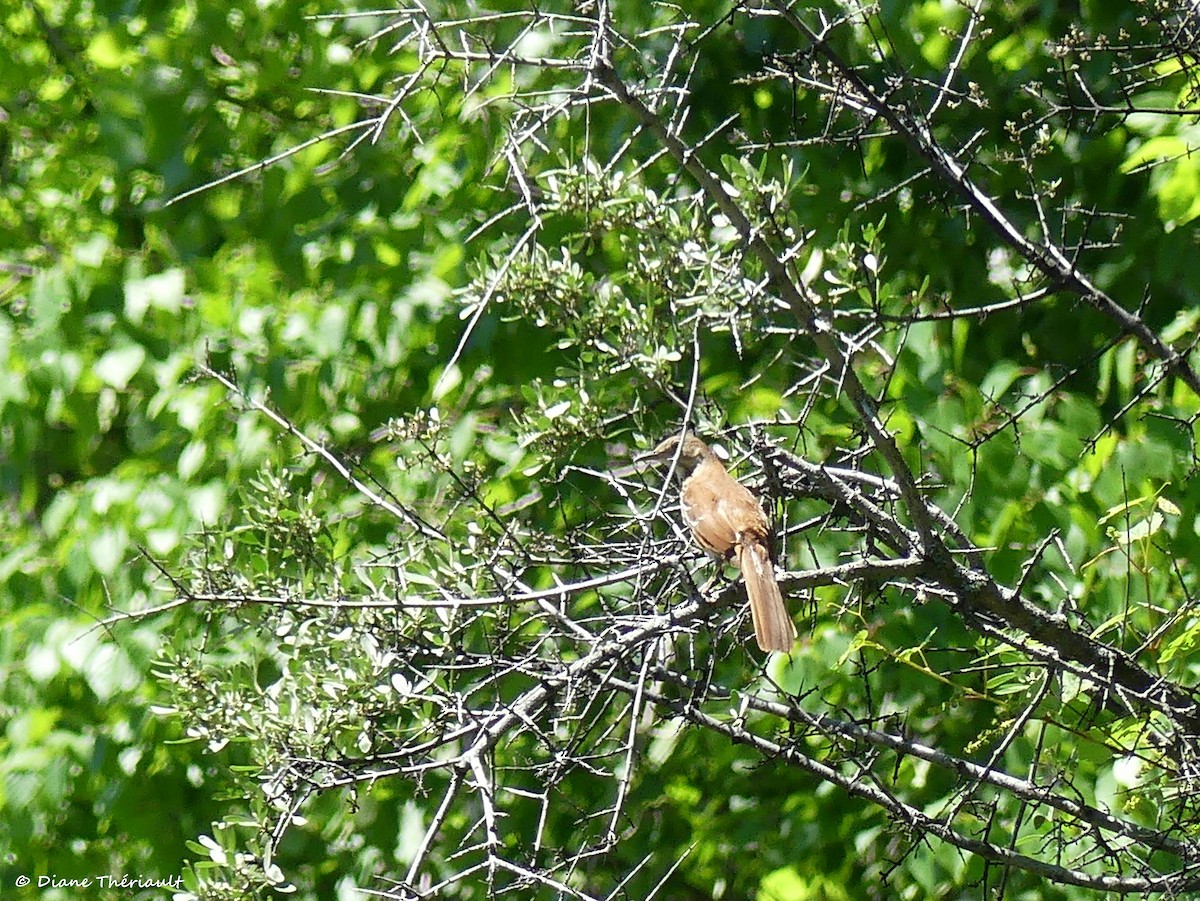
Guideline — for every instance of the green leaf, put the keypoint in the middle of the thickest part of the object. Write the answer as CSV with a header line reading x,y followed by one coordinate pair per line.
x,y
163,291
117,367
1161,148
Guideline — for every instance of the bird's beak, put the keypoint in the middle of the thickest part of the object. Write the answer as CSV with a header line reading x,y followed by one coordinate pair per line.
x,y
663,453
649,459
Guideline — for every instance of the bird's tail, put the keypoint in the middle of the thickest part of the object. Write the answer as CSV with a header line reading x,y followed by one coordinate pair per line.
x,y
772,626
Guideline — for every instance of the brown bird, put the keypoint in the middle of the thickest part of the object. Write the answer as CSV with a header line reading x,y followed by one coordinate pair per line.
x,y
729,523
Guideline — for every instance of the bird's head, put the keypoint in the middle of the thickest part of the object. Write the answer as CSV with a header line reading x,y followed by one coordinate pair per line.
x,y
692,452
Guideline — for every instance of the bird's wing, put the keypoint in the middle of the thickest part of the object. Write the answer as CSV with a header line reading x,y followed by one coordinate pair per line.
x,y
722,514
702,512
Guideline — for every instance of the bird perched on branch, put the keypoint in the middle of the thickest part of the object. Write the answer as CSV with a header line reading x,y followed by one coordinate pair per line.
x,y
728,522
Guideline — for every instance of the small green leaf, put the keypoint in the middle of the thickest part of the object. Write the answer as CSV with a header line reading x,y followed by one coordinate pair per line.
x,y
117,367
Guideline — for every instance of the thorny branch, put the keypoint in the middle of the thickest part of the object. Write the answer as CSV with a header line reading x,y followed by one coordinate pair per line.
x,y
627,640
